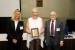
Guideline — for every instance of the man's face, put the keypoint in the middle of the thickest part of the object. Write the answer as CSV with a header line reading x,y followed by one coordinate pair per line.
x,y
53,15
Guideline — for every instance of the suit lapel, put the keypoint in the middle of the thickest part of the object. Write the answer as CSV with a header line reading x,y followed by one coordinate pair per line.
x,y
49,26
13,25
56,25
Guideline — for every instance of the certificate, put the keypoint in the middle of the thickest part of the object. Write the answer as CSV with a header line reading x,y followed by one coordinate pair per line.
x,y
35,32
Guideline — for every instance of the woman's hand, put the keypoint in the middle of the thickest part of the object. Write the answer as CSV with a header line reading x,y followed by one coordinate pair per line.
x,y
14,41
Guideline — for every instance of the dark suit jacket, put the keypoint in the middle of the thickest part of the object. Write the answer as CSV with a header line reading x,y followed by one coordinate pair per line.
x,y
12,33
58,35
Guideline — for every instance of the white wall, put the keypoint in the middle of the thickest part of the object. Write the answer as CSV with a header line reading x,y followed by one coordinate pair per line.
x,y
7,7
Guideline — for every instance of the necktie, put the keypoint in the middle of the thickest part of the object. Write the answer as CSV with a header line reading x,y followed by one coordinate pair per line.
x,y
52,28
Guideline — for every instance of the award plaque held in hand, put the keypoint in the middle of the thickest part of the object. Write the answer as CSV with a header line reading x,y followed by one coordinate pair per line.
x,y
35,32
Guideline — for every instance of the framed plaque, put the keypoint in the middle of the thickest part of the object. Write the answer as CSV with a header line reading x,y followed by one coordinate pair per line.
x,y
35,32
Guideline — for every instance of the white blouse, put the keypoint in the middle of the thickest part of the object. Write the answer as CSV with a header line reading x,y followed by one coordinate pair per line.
x,y
16,23
35,23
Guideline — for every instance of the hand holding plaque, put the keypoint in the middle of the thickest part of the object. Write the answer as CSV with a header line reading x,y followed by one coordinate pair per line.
x,y
35,32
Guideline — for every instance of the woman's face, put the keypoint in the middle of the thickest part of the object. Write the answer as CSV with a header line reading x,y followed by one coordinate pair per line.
x,y
16,15
35,13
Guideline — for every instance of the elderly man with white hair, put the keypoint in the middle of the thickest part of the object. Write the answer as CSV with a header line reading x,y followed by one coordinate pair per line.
x,y
54,36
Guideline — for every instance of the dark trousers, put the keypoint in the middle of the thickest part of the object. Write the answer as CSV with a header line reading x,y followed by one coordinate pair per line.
x,y
52,45
12,46
35,44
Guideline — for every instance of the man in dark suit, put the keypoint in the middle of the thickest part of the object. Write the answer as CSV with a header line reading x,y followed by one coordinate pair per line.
x,y
54,32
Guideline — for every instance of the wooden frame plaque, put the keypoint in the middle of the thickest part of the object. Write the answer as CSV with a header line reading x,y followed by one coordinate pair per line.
x,y
35,32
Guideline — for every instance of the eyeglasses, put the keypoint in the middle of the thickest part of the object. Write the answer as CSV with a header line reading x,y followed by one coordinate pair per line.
x,y
53,15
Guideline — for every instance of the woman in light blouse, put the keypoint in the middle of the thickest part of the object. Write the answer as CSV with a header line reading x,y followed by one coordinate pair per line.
x,y
34,22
